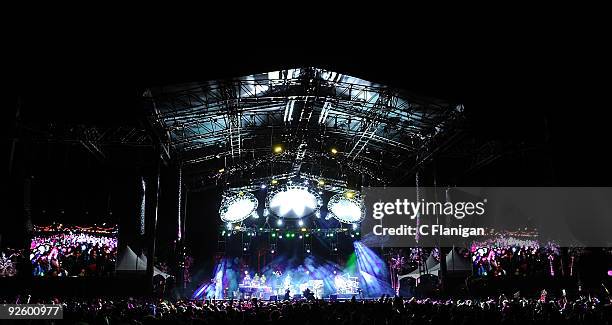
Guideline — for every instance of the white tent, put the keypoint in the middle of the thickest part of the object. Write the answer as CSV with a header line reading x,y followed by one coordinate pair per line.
x,y
430,264
130,262
454,263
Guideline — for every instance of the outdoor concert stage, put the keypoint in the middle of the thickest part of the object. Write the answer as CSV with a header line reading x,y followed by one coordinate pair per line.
x,y
361,273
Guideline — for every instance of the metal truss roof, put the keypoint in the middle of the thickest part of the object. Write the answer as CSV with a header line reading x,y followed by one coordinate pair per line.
x,y
226,129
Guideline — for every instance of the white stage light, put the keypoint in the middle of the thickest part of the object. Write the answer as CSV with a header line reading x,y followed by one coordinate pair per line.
x,y
293,201
301,223
346,209
279,222
236,208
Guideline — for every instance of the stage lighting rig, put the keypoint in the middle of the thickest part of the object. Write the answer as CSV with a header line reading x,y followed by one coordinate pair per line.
x,y
293,201
237,207
346,207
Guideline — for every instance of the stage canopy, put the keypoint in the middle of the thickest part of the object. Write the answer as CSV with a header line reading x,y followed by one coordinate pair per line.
x,y
297,121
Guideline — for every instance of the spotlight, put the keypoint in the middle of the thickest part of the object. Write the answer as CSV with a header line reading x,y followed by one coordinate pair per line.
x,y
334,151
293,201
254,215
308,251
280,236
272,251
229,226
237,207
273,235
278,148
274,182
263,185
300,236
266,212
279,222
321,182
300,223
346,208
354,226
221,170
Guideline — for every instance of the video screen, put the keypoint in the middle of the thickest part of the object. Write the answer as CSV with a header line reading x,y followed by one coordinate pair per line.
x,y
9,258
73,251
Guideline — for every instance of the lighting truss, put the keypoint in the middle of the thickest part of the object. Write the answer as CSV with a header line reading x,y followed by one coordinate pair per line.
x,y
230,124
322,183
238,207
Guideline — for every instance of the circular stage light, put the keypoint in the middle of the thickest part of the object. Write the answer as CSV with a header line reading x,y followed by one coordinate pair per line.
x,y
236,208
293,201
346,208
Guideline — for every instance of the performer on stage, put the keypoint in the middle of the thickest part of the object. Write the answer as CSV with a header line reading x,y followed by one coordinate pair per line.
x,y
247,279
287,282
255,282
287,294
308,294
